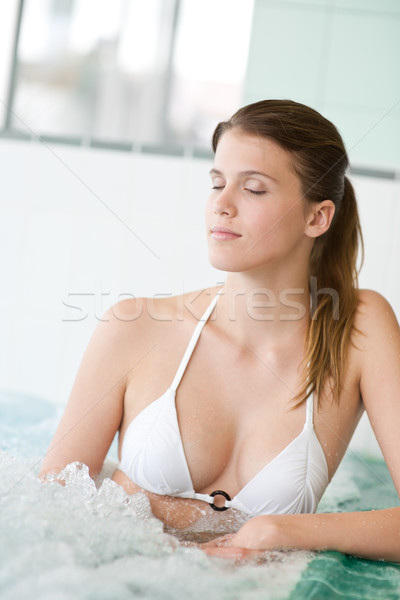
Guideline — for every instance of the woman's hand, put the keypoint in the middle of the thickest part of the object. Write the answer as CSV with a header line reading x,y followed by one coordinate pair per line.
x,y
268,532
372,534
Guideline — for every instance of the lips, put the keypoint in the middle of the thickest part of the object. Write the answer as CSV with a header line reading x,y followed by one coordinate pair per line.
x,y
217,229
223,234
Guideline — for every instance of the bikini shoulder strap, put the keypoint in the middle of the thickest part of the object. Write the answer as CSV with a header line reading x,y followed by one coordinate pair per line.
x,y
310,409
193,342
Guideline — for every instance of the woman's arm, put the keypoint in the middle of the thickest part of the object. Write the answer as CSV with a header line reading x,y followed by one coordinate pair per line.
x,y
380,376
174,512
94,410
371,534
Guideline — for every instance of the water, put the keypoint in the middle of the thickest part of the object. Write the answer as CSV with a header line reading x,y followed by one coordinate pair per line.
x,y
360,485
92,541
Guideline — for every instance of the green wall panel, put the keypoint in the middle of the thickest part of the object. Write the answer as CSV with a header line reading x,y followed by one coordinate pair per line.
x,y
342,58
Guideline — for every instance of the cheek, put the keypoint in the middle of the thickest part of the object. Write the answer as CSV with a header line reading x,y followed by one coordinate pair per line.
x,y
277,229
261,222
208,211
285,218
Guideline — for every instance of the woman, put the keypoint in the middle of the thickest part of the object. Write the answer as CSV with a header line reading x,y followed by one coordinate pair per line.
x,y
270,372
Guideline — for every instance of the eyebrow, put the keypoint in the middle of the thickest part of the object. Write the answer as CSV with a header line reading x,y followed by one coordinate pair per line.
x,y
245,174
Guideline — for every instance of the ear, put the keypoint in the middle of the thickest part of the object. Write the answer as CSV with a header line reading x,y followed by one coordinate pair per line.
x,y
319,218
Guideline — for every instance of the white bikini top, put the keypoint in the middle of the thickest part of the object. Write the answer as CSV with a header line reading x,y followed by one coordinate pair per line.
x,y
153,457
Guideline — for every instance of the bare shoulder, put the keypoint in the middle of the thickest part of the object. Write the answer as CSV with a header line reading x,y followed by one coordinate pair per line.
x,y
373,301
374,310
375,318
146,318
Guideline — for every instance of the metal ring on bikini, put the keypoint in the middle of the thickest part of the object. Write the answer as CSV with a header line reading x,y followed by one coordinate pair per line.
x,y
220,493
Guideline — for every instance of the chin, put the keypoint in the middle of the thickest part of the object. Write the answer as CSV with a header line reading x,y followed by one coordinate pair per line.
x,y
224,263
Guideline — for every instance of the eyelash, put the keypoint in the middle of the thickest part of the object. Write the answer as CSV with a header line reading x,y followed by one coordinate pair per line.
x,y
256,193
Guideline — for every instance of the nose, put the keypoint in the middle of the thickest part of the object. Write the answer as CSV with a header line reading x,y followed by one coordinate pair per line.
x,y
224,203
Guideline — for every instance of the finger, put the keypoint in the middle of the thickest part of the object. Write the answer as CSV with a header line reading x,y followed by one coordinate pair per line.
x,y
233,552
210,544
218,542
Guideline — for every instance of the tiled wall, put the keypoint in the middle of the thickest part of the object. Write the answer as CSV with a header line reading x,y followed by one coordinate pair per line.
x,y
79,228
340,57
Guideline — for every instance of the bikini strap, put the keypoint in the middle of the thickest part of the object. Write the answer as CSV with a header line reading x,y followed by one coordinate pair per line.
x,y
193,342
310,409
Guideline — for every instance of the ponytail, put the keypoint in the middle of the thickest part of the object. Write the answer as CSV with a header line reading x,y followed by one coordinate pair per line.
x,y
334,298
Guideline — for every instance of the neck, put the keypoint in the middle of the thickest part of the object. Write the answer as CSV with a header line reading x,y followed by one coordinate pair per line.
x,y
260,310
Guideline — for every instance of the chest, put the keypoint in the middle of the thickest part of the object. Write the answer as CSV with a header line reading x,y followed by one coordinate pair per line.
x,y
234,416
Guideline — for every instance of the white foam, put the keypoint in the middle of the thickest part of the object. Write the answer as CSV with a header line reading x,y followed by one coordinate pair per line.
x,y
83,541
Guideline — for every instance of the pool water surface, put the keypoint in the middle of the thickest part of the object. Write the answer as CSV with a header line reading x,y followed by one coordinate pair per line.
x,y
87,540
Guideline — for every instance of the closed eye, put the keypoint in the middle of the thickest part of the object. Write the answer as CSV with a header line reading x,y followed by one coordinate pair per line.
x,y
256,192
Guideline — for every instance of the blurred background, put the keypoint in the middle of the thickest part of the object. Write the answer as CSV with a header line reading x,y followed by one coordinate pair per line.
x,y
106,113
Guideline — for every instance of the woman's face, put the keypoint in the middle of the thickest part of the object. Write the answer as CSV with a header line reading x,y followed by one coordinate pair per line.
x,y
257,196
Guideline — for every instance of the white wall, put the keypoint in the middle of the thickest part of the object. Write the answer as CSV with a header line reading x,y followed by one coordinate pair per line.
x,y
95,223
101,223
8,19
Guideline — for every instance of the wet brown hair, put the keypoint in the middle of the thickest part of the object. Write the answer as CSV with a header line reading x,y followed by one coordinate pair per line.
x,y
320,160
